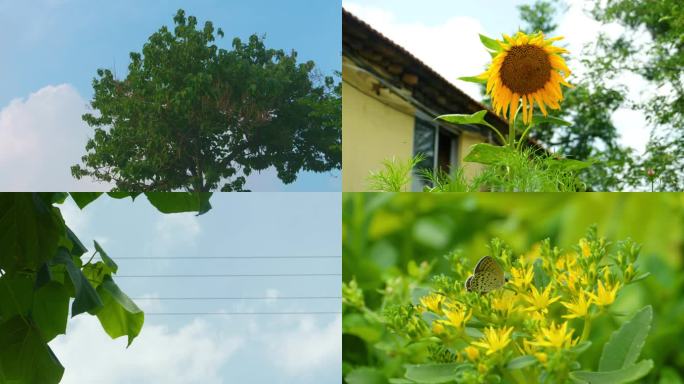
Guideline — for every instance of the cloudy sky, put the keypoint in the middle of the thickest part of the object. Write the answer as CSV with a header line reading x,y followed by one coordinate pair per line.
x,y
51,50
209,348
444,34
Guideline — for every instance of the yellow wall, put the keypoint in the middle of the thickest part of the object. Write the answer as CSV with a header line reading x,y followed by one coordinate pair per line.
x,y
467,140
371,133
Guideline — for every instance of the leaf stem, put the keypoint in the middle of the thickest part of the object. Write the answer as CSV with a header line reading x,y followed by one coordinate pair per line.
x,y
498,133
522,137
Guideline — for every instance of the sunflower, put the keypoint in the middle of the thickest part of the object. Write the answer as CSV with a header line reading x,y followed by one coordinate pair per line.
x,y
527,67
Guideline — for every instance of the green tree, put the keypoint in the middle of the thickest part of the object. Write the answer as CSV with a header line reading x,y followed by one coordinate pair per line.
x,y
192,116
42,268
588,107
659,59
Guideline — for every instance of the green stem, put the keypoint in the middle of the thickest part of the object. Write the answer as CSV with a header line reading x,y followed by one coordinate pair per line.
x,y
511,131
522,137
519,376
498,133
587,328
511,128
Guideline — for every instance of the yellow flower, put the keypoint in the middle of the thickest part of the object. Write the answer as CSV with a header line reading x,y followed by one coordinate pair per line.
x,y
458,317
504,302
495,340
433,302
438,327
542,357
554,337
584,246
472,353
578,309
527,67
540,301
522,277
605,295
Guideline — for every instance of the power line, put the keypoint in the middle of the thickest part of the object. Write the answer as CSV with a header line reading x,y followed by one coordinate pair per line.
x,y
235,275
241,298
221,257
237,313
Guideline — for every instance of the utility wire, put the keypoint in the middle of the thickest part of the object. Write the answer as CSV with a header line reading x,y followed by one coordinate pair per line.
x,y
235,275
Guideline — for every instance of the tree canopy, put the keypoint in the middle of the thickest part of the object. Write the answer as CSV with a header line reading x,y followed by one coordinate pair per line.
x,y
650,47
192,116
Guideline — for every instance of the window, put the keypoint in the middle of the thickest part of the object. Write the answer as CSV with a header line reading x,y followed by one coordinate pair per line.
x,y
438,145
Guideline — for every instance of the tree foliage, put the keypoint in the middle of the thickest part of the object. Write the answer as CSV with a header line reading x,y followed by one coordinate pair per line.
x,y
658,59
589,106
44,277
190,115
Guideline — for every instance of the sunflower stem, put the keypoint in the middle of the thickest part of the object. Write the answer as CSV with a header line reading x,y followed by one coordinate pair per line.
x,y
511,128
522,137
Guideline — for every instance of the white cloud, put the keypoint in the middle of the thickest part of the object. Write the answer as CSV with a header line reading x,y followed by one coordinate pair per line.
x,y
306,349
41,137
194,353
453,48
177,229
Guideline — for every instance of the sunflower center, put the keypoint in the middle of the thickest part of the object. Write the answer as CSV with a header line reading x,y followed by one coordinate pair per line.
x,y
526,69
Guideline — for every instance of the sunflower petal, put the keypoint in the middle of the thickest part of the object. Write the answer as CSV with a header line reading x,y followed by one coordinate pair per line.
x,y
514,105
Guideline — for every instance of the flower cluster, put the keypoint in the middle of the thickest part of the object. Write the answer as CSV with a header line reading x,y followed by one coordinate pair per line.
x,y
540,320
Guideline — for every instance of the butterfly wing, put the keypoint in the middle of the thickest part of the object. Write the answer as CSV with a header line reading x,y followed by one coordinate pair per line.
x,y
487,276
469,284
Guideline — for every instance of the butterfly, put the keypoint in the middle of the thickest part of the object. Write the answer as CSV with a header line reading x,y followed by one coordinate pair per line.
x,y
487,276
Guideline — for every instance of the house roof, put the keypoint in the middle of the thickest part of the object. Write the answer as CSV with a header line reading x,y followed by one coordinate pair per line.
x,y
403,69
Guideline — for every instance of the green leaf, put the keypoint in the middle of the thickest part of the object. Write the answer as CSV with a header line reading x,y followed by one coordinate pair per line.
x,y
77,248
51,310
29,231
640,277
120,316
475,118
96,272
87,299
624,346
24,357
474,333
473,79
521,362
84,198
366,375
625,375
569,164
434,373
174,202
541,119
357,324
487,154
105,258
490,43
123,195
581,347
16,295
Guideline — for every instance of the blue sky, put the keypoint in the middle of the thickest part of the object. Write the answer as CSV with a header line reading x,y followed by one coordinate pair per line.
x,y
63,42
444,34
215,349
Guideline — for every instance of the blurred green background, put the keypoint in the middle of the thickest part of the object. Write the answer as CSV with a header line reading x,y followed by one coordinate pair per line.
x,y
383,232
